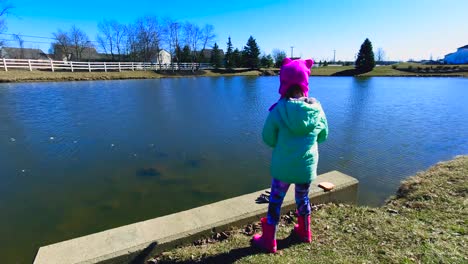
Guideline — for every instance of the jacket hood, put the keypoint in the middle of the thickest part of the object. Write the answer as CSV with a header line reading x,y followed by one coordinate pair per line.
x,y
299,115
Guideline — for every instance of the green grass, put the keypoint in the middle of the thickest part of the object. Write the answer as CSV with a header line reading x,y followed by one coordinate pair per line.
x,y
402,69
386,71
329,70
349,71
425,222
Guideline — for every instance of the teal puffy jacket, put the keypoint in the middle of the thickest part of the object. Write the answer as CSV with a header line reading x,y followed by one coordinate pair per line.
x,y
293,128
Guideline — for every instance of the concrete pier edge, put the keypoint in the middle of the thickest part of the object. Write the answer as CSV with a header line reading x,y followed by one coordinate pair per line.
x,y
147,238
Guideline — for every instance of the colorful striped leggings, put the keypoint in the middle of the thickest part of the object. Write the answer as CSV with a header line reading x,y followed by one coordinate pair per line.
x,y
278,191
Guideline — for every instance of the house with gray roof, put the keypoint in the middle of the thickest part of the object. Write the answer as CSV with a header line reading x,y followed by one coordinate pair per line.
x,y
70,53
22,53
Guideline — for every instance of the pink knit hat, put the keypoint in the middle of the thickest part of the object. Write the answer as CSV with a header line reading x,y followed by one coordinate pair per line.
x,y
295,72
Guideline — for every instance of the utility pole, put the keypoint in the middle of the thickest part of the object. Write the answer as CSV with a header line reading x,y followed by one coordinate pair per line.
x,y
334,54
292,48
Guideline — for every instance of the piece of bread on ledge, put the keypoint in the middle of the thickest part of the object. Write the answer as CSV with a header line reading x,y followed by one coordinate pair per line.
x,y
326,186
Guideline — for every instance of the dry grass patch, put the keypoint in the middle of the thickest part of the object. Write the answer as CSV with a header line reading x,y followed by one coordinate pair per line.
x,y
426,222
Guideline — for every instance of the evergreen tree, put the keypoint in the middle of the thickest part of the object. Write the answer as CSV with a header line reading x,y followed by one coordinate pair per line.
x,y
365,60
228,56
200,58
251,52
267,61
236,58
185,55
243,59
178,53
216,56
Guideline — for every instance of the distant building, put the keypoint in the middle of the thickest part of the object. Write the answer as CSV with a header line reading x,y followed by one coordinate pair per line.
x,y
22,53
69,53
164,57
458,57
90,54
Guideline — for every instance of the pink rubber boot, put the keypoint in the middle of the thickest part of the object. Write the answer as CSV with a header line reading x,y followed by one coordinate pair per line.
x,y
267,240
302,229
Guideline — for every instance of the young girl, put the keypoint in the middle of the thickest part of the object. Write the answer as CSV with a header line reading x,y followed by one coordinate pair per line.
x,y
293,128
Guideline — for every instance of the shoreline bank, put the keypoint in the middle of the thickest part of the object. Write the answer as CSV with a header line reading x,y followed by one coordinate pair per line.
x,y
46,76
16,76
425,222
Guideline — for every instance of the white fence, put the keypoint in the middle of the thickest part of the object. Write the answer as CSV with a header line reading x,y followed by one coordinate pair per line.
x,y
96,66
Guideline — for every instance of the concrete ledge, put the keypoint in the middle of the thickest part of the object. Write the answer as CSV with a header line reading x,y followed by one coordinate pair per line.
x,y
138,240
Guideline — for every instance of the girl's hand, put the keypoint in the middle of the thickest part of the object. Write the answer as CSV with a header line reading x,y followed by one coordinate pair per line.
x,y
311,100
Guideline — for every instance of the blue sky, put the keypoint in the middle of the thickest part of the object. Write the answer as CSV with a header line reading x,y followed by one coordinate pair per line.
x,y
404,29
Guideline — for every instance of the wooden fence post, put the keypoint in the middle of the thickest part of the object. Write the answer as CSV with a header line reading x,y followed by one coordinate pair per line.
x,y
5,65
71,65
29,63
52,65
105,67
89,66
119,67
133,69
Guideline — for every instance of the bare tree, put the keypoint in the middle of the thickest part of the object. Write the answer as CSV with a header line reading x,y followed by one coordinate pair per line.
x,y
130,42
106,38
61,46
79,41
111,37
119,37
5,8
71,45
20,40
207,37
148,36
193,38
172,34
380,55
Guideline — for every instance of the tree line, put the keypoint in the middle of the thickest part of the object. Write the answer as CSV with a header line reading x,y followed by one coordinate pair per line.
x,y
139,41
143,40
147,36
248,57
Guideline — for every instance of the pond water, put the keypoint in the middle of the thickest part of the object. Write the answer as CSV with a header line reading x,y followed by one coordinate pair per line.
x,y
82,157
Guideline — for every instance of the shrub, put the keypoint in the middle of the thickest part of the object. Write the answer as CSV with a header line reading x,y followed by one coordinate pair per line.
x,y
394,66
